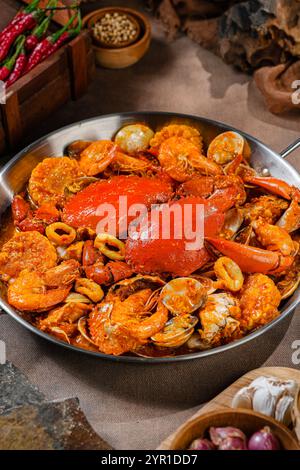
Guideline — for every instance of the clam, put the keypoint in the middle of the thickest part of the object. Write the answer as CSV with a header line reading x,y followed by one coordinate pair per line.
x,y
59,333
74,149
134,138
207,281
233,221
225,147
287,287
83,330
176,331
183,295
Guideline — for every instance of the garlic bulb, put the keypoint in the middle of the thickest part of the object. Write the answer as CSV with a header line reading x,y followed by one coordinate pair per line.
x,y
264,402
283,412
270,396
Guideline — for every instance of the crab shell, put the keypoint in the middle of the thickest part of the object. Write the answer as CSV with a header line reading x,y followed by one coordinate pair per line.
x,y
83,209
171,255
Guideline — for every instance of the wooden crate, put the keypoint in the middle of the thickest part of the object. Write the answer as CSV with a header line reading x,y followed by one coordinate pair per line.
x,y
63,76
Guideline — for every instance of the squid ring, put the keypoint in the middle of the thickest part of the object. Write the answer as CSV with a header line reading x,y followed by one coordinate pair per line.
x,y
90,289
61,234
229,274
110,246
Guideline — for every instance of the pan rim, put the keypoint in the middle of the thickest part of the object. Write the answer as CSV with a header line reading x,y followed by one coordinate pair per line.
x,y
137,359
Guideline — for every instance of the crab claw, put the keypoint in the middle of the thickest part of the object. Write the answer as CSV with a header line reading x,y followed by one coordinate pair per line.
x,y
274,185
249,258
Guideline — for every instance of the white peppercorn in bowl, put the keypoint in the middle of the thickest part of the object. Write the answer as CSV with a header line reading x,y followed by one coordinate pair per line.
x,y
115,29
120,57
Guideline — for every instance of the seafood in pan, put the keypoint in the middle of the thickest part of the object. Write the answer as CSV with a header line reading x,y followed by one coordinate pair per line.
x,y
107,289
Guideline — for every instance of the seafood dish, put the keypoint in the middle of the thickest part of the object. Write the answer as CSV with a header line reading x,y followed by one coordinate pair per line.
x,y
111,288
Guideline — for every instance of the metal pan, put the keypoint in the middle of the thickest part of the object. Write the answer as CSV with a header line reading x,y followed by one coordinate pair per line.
x,y
16,173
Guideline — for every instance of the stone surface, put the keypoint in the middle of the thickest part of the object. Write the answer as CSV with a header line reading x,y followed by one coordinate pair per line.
x,y
16,390
29,422
48,426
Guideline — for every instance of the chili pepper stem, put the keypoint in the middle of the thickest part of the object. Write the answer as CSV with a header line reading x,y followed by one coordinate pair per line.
x,y
32,6
19,45
59,33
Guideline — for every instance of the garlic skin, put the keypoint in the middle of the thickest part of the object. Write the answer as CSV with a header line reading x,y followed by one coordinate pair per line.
x,y
283,412
264,402
269,396
242,399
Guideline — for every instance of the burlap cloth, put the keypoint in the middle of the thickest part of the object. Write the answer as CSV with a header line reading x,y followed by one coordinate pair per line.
x,y
135,407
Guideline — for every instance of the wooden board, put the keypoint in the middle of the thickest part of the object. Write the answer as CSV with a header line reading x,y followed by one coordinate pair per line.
x,y
224,399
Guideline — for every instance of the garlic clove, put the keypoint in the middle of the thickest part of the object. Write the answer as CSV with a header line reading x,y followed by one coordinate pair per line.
x,y
242,399
291,387
283,411
264,402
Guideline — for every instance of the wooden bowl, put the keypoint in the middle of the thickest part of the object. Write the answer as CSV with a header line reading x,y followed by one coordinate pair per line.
x,y
248,421
124,56
105,44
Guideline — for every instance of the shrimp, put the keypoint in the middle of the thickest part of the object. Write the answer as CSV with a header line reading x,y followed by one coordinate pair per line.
x,y
38,291
127,164
259,301
29,293
62,275
62,321
26,250
50,179
120,326
97,157
181,159
176,130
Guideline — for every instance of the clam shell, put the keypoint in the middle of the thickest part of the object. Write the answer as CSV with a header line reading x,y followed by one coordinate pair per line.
x,y
183,295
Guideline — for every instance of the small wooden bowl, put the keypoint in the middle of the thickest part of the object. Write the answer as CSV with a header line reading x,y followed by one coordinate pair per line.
x,y
124,56
248,421
100,15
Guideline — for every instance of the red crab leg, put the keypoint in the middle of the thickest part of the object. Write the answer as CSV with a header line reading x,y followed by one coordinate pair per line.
x,y
249,258
274,185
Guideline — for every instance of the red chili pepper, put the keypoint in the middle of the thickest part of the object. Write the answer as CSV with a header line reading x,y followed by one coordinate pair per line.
x,y
37,34
30,8
9,64
66,36
40,30
26,23
42,49
19,68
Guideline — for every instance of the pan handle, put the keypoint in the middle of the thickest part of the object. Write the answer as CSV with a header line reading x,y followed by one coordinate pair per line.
x,y
295,145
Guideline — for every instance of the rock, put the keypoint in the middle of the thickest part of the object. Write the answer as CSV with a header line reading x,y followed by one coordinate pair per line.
x,y
169,18
249,34
15,389
29,422
48,426
204,32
